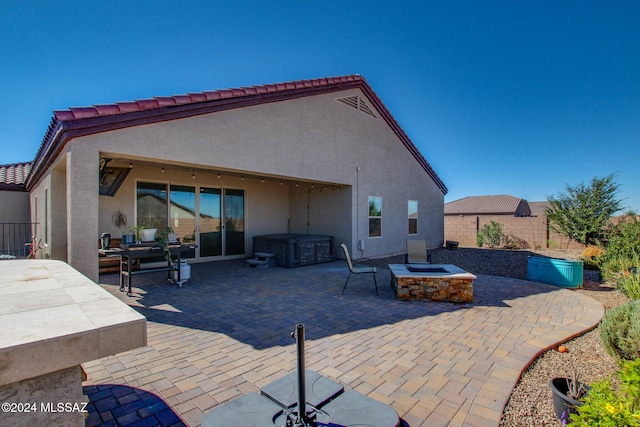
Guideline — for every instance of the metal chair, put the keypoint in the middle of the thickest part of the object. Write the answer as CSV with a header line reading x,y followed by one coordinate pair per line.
x,y
357,270
417,252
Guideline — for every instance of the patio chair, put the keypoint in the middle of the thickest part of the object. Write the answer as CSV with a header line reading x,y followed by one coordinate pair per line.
x,y
417,252
357,270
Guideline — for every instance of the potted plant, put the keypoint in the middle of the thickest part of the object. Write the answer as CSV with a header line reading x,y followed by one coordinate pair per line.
x,y
149,230
169,235
132,234
567,393
119,219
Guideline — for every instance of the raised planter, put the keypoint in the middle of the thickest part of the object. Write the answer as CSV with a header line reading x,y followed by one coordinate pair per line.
x,y
564,273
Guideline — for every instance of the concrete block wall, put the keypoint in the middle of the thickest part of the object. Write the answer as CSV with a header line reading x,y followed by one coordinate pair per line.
x,y
533,230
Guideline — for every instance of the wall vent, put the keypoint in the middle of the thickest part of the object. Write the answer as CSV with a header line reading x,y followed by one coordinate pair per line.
x,y
357,102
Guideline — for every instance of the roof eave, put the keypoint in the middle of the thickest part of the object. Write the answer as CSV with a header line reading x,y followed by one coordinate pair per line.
x,y
62,129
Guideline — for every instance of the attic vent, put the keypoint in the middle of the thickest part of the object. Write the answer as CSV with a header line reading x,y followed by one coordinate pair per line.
x,y
358,103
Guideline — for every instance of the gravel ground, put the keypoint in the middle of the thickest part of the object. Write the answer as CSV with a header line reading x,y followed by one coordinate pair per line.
x,y
531,401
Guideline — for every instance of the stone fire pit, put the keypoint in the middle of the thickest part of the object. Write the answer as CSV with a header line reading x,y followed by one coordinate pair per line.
x,y
431,282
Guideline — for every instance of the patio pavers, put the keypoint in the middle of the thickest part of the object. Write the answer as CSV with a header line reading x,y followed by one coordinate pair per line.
x,y
226,333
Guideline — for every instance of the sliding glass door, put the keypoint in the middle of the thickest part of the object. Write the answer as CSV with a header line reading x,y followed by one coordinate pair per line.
x,y
210,221
212,218
234,222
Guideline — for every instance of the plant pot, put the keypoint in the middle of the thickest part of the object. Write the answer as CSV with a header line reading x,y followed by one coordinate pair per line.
x,y
172,237
148,234
128,239
562,402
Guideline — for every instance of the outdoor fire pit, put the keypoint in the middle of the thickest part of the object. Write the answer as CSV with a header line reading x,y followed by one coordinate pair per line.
x,y
431,282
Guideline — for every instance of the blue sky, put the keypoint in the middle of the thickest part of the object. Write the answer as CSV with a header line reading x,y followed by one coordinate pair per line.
x,y
501,97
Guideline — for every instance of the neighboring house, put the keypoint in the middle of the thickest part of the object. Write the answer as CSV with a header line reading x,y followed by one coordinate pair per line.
x,y
310,156
464,218
15,229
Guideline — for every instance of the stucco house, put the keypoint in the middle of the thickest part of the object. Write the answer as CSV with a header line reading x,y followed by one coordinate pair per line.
x,y
320,156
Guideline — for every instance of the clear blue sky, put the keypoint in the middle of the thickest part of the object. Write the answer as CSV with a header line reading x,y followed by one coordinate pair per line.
x,y
501,97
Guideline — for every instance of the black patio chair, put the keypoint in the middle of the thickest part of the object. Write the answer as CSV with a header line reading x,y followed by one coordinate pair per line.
x,y
370,269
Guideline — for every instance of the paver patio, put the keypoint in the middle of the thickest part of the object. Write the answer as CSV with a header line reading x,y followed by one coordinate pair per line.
x,y
226,333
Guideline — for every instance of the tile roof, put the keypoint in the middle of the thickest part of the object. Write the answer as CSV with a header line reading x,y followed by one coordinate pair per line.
x,y
80,121
539,208
500,205
13,176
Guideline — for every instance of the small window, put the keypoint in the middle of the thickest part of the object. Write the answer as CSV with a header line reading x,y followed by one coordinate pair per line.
x,y
412,206
375,216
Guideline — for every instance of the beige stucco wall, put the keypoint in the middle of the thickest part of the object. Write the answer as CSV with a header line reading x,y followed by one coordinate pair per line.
x,y
311,139
15,207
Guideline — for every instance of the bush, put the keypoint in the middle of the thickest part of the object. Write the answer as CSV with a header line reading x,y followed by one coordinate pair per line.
x,y
591,257
620,330
511,241
612,268
623,240
491,234
604,407
629,280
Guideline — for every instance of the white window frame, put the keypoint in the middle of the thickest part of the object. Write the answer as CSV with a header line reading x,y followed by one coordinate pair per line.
x,y
410,218
374,217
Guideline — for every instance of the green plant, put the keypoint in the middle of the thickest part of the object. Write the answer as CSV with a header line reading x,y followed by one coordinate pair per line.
x,y
613,268
164,243
583,212
119,219
575,389
604,406
491,235
624,239
620,330
628,280
135,230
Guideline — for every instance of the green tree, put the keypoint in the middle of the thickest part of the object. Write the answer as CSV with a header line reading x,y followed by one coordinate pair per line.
x,y
583,212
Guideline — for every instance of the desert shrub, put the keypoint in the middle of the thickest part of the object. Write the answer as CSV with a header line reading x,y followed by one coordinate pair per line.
x,y
629,280
623,272
620,330
511,241
491,234
613,268
623,240
591,257
603,406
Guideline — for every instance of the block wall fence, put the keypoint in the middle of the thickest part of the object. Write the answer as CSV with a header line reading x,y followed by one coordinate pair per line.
x,y
533,230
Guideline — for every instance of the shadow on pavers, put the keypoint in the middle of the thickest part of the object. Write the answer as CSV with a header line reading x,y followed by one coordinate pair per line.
x,y
260,306
119,405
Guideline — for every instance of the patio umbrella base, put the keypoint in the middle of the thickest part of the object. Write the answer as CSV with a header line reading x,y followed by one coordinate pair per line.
x,y
329,404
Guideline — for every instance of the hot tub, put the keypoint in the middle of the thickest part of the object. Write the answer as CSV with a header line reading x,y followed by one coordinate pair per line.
x,y
295,250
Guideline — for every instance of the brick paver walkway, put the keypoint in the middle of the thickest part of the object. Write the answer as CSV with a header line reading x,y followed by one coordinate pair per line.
x,y
226,333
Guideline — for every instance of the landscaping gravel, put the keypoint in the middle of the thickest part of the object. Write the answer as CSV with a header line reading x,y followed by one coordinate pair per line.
x,y
531,402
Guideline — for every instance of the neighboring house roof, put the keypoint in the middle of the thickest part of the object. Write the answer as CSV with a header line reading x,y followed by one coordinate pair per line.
x,y
13,176
539,208
75,122
488,205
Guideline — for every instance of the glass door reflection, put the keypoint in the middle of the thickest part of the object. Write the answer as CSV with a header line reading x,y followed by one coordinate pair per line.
x,y
182,214
210,230
234,222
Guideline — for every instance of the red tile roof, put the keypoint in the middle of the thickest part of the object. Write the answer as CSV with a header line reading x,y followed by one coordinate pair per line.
x,y
80,121
14,176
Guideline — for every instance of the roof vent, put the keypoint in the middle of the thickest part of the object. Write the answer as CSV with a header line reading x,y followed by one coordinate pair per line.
x,y
357,102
